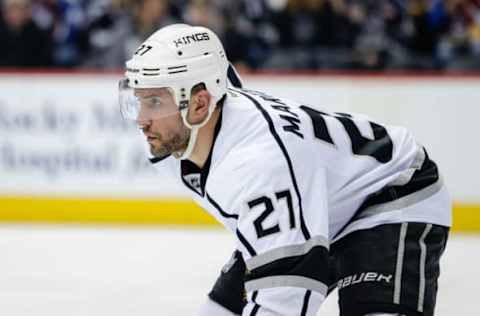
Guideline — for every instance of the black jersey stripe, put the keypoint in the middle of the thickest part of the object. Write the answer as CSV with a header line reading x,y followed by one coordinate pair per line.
x,y
422,178
246,244
306,233
255,310
219,209
306,299
286,252
158,159
313,265
256,307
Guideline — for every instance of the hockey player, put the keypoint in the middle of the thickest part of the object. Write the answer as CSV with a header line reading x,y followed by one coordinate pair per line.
x,y
315,199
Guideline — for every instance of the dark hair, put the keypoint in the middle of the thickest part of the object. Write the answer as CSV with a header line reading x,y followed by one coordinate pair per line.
x,y
201,86
198,87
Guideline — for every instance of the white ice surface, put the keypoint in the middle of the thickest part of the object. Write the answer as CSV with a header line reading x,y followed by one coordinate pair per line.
x,y
93,271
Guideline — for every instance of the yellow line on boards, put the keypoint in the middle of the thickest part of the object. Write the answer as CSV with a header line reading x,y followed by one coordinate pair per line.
x,y
78,210
466,217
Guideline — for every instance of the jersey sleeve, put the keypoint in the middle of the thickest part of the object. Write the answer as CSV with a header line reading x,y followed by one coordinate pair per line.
x,y
286,256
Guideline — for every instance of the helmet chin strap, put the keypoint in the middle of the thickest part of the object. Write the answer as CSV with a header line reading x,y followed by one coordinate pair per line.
x,y
194,129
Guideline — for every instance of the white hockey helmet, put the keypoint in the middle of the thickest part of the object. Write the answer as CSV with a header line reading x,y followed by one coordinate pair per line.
x,y
176,57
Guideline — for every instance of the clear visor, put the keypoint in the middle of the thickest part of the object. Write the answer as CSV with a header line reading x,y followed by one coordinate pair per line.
x,y
142,105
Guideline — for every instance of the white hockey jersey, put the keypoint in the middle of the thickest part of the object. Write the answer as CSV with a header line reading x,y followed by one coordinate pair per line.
x,y
290,179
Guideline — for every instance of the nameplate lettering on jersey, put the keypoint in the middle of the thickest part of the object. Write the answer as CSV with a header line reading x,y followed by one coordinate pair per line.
x,y
197,37
286,113
193,181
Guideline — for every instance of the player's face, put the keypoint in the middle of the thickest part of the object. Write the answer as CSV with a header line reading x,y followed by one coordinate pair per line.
x,y
166,134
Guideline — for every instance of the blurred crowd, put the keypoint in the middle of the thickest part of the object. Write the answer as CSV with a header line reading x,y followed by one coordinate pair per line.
x,y
257,34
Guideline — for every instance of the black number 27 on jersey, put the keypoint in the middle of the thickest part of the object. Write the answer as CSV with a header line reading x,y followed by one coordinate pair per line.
x,y
266,203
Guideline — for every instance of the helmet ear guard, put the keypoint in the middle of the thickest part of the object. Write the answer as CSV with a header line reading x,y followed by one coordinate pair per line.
x,y
195,128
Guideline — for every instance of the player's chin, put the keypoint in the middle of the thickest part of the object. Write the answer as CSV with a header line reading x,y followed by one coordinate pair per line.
x,y
159,151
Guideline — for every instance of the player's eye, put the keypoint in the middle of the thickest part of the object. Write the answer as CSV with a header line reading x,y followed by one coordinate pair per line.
x,y
152,103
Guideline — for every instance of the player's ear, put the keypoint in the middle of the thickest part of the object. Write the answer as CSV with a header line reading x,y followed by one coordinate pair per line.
x,y
199,104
